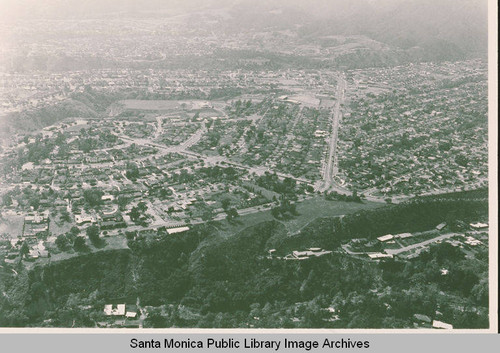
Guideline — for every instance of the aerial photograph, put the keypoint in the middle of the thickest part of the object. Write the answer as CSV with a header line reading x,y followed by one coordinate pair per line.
x,y
244,164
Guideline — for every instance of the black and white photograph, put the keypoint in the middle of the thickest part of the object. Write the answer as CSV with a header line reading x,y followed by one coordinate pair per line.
x,y
247,164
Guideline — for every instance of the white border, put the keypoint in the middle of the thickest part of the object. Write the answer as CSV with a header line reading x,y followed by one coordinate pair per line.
x,y
493,159
493,237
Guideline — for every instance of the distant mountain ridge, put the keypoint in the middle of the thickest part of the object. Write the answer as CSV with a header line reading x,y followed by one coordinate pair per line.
x,y
405,24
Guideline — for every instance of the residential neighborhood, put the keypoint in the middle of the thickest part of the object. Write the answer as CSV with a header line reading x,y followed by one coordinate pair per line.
x,y
239,164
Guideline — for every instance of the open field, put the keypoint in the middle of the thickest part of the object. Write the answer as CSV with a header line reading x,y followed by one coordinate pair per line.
x,y
319,207
193,104
136,104
308,210
112,243
305,99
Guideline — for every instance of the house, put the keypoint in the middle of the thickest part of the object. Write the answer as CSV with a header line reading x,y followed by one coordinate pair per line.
x,y
479,225
472,241
38,250
300,255
36,217
440,226
112,220
80,219
403,235
443,325
107,197
379,255
177,230
385,237
119,310
44,203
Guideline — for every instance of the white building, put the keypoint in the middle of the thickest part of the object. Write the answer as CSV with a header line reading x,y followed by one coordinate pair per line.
x,y
443,325
118,311
380,255
386,237
177,230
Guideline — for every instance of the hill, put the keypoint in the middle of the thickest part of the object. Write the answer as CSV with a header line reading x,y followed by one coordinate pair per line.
x,y
205,279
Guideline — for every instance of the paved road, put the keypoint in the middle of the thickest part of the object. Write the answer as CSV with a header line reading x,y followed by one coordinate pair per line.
x,y
330,169
336,116
404,249
159,127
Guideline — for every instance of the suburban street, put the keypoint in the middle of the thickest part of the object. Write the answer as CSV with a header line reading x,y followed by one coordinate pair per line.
x,y
419,245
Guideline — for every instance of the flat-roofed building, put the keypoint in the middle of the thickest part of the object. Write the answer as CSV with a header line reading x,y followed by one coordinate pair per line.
x,y
177,230
479,225
386,237
119,310
380,255
403,235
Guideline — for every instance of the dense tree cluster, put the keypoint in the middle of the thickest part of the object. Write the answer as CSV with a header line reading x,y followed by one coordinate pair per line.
x,y
93,197
215,173
273,182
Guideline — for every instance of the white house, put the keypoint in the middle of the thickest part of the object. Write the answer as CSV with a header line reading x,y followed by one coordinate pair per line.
x,y
386,237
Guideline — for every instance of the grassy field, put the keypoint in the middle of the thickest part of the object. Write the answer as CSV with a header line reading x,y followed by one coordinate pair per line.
x,y
112,243
319,207
227,229
308,210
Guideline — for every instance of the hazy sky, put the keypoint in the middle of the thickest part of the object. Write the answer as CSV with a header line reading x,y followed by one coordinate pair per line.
x,y
399,22
17,9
